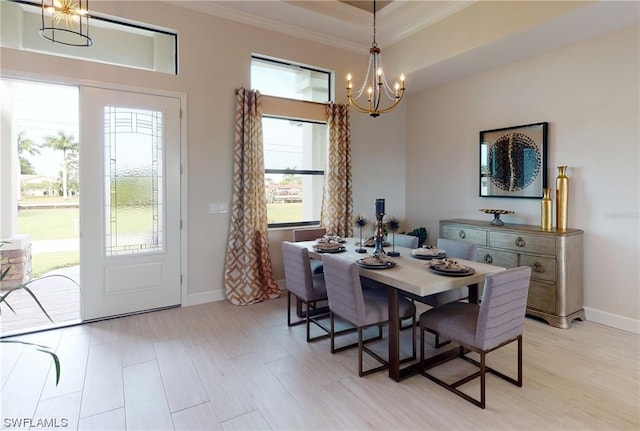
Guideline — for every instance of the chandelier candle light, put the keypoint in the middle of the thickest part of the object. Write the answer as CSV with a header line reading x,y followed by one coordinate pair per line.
x,y
66,22
377,83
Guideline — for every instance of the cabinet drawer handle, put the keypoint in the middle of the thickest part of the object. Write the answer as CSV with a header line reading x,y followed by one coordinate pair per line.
x,y
537,267
462,234
520,242
488,258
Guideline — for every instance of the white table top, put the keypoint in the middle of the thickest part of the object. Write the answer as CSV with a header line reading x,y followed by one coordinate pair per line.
x,y
411,274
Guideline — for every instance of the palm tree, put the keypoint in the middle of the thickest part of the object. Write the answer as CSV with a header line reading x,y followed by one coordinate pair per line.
x,y
26,145
68,145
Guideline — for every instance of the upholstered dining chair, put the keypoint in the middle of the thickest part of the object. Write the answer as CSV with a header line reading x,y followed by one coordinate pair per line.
x,y
360,307
403,240
455,249
482,328
310,234
307,288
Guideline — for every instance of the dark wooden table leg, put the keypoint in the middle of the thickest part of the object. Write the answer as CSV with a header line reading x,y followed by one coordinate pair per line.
x,y
473,293
394,334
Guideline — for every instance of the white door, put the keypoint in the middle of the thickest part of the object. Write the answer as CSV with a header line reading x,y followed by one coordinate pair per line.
x,y
130,206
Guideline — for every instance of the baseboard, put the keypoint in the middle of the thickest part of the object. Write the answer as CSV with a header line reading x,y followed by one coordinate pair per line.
x,y
216,295
203,298
613,320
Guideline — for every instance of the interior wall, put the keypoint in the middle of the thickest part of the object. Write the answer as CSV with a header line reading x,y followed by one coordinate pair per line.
x,y
214,60
589,94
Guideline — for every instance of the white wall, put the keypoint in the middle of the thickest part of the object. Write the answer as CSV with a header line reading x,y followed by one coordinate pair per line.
x,y
214,60
589,94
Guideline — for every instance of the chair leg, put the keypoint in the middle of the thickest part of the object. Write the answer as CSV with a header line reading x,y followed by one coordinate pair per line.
x,y
519,361
333,333
483,372
360,373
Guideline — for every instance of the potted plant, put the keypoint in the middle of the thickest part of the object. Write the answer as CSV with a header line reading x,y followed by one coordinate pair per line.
x,y
393,225
361,221
25,287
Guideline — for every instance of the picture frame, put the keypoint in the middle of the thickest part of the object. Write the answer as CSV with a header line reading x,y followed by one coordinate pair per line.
x,y
513,161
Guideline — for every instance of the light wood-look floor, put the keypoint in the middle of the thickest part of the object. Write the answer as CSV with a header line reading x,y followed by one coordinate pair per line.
x,y
219,366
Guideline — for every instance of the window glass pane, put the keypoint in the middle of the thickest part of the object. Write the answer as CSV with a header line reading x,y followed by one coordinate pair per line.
x,y
114,42
300,148
134,180
290,81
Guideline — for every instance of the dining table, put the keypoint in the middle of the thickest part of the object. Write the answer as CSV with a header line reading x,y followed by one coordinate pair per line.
x,y
408,274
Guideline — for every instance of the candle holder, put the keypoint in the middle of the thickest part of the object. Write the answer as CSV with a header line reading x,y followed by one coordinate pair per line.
x,y
379,237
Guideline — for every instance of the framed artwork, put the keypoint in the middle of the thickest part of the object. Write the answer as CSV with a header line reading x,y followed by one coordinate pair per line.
x,y
513,161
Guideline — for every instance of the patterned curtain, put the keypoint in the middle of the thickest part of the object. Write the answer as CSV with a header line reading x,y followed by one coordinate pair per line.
x,y
248,273
337,199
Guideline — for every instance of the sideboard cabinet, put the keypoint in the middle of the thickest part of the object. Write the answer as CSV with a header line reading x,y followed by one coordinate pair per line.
x,y
555,258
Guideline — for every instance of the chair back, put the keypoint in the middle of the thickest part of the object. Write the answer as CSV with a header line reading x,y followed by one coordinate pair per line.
x,y
308,234
344,290
460,249
297,270
403,240
503,307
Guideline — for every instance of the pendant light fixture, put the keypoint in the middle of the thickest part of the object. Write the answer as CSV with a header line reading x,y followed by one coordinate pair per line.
x,y
66,22
375,83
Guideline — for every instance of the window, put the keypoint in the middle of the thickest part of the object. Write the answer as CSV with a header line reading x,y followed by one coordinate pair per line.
x,y
291,81
295,139
114,42
294,154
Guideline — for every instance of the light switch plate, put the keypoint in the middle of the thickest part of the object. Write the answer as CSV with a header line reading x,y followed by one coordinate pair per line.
x,y
218,207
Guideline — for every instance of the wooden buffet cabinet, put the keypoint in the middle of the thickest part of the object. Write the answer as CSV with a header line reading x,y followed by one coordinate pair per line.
x,y
554,256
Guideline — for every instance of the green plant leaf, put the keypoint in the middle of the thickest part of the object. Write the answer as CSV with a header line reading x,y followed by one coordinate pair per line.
x,y
43,349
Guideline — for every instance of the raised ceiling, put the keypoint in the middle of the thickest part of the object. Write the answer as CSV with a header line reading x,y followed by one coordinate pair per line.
x,y
342,25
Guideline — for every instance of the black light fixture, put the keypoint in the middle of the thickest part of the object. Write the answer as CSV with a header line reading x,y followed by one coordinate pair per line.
x,y
66,22
377,83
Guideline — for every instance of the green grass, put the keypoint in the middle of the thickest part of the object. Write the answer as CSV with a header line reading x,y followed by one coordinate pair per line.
x,y
45,262
284,212
62,223
43,224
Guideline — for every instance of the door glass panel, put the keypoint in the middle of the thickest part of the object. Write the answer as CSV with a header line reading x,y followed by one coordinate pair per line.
x,y
134,180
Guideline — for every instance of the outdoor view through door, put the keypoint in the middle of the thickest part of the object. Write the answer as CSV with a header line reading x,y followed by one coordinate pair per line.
x,y
44,134
95,197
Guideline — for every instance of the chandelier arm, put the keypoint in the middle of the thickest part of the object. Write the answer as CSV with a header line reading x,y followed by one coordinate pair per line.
x,y
390,108
359,108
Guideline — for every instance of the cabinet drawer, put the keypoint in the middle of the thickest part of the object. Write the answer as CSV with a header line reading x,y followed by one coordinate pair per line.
x,y
542,268
542,297
496,257
452,231
523,243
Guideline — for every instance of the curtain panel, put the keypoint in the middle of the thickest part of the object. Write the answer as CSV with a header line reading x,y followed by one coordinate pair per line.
x,y
337,200
248,271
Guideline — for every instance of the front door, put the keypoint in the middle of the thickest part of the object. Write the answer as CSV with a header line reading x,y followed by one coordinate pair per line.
x,y
130,206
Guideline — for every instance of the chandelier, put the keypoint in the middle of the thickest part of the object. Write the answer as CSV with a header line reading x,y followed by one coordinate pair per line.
x,y
376,82
66,22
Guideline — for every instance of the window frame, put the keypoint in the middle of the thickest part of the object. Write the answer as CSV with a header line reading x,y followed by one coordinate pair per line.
x,y
312,172
284,108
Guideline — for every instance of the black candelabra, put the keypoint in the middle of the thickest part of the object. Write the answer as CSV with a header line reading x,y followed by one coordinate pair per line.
x,y
379,235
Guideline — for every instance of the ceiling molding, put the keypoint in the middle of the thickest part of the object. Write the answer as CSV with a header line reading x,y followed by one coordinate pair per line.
x,y
413,20
333,23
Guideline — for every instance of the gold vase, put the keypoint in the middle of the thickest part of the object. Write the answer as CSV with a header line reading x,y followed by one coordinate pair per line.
x,y
546,207
562,198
